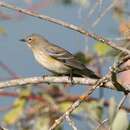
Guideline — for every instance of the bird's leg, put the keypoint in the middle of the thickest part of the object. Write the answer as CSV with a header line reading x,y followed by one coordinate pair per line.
x,y
43,76
71,77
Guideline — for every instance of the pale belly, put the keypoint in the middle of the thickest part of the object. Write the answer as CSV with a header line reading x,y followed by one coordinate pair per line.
x,y
52,64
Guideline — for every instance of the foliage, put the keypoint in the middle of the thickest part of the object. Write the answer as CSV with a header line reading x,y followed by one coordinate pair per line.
x,y
39,108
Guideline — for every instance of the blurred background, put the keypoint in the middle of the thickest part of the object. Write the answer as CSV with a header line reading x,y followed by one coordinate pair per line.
x,y
109,19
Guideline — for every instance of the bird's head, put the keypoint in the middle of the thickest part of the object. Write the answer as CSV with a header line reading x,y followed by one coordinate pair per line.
x,y
33,40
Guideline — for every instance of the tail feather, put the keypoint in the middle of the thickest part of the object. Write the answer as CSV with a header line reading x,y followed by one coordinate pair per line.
x,y
86,73
89,73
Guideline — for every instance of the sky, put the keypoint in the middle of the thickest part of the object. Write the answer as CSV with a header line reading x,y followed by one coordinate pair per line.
x,y
19,57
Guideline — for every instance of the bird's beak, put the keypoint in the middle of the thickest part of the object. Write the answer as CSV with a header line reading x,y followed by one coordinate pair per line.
x,y
22,40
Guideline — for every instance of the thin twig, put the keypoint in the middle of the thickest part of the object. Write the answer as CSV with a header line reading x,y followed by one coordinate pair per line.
x,y
102,123
35,80
68,112
77,103
66,25
71,122
126,68
2,128
113,70
122,101
93,9
119,106
104,12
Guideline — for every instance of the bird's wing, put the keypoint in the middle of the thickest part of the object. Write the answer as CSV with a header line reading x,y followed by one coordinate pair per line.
x,y
64,56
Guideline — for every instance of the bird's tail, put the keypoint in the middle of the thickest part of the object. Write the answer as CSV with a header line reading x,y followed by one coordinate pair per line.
x,y
86,73
89,73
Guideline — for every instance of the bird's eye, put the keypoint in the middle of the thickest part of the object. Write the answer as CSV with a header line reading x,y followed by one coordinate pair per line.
x,y
30,39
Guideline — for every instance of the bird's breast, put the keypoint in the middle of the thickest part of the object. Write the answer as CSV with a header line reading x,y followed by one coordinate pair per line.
x,y
50,63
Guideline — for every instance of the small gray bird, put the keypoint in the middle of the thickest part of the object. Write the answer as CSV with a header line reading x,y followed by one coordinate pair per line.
x,y
56,59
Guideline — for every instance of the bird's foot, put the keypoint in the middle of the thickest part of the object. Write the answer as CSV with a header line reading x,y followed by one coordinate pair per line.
x,y
71,79
43,76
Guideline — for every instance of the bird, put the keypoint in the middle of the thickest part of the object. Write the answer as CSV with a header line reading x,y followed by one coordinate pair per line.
x,y
56,59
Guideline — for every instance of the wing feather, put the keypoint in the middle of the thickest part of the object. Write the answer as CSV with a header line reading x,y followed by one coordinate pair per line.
x,y
64,56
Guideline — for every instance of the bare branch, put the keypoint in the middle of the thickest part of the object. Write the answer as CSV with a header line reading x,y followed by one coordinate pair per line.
x,y
77,103
103,82
45,79
68,112
53,79
66,25
99,83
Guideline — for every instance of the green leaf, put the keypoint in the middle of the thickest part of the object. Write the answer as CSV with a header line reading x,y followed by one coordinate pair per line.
x,y
121,121
13,115
64,106
102,49
18,107
42,123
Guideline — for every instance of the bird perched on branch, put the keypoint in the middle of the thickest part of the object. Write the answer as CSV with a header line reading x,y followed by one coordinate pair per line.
x,y
56,59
